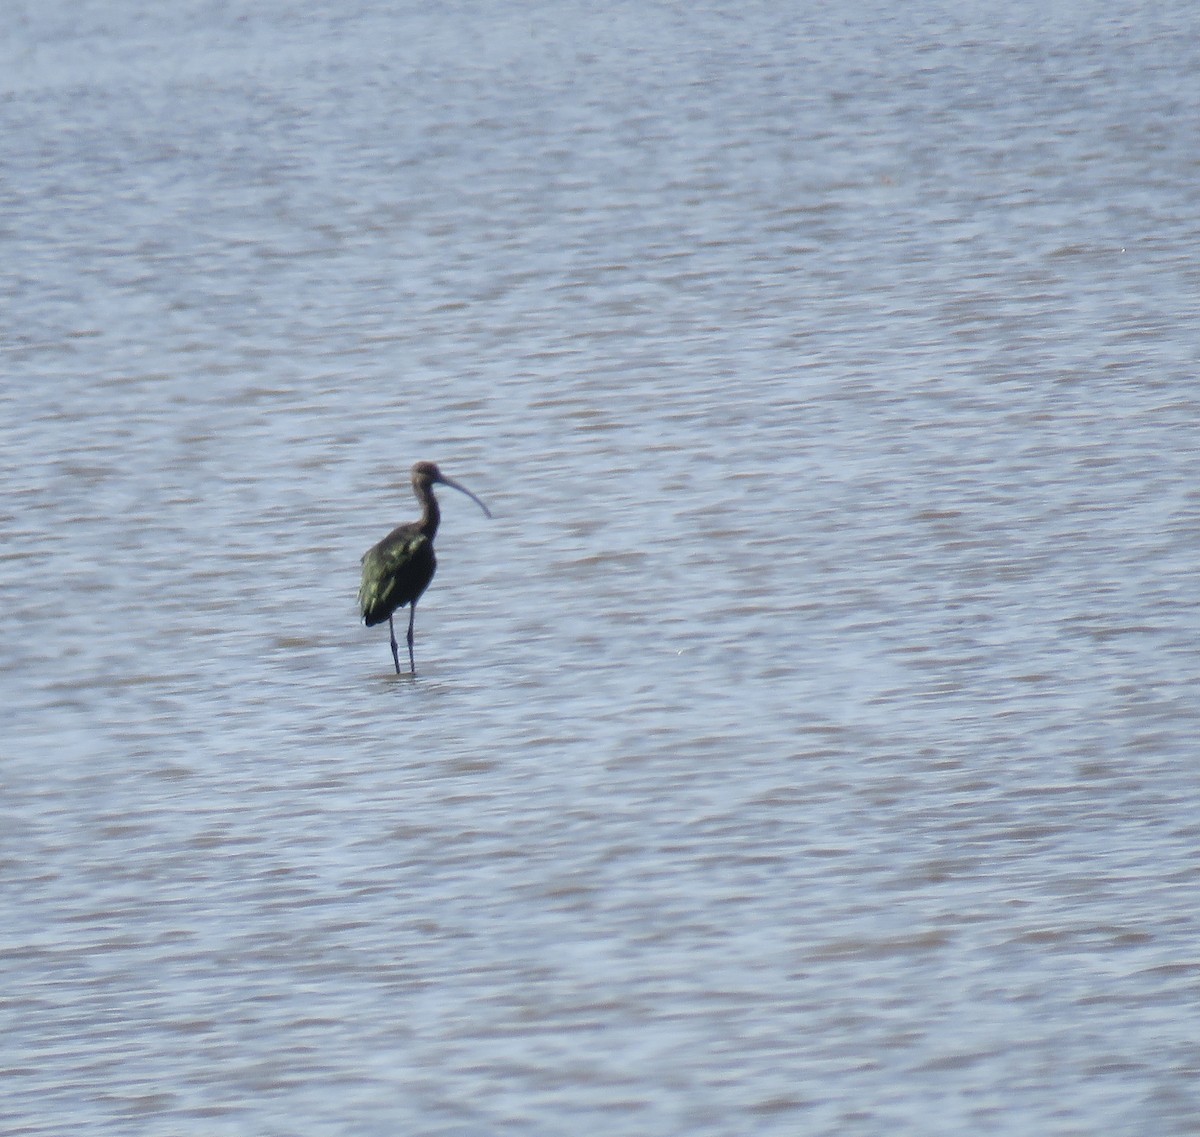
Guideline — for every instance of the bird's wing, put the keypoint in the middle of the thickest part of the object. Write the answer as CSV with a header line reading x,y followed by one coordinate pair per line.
x,y
383,574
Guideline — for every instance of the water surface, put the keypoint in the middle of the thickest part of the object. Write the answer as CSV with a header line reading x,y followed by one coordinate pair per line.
x,y
807,746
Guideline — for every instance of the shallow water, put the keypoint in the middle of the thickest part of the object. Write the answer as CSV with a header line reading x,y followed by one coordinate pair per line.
x,y
807,745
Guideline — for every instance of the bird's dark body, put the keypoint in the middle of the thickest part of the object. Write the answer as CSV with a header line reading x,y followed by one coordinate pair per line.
x,y
397,571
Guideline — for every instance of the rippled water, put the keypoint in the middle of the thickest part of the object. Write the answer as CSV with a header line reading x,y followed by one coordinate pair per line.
x,y
807,746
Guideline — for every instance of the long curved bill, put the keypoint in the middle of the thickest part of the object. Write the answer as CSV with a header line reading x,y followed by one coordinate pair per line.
x,y
463,489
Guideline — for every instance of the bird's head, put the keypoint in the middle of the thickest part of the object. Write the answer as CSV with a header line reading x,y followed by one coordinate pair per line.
x,y
425,474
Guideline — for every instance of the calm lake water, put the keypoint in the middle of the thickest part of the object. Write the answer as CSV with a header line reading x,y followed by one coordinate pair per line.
x,y
809,744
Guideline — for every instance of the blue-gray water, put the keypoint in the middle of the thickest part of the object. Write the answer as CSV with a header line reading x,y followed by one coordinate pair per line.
x,y
809,745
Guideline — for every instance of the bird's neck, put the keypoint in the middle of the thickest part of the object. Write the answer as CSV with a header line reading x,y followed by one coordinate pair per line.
x,y
430,514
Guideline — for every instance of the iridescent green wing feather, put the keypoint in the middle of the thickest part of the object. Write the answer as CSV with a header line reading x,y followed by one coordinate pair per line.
x,y
384,575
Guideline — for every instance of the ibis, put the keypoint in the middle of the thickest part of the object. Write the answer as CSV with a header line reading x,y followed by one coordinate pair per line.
x,y
397,571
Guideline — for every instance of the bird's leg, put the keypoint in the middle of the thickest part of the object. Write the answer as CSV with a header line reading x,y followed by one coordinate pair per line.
x,y
395,646
412,615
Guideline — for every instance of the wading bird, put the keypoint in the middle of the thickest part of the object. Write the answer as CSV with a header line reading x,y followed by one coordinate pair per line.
x,y
397,570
